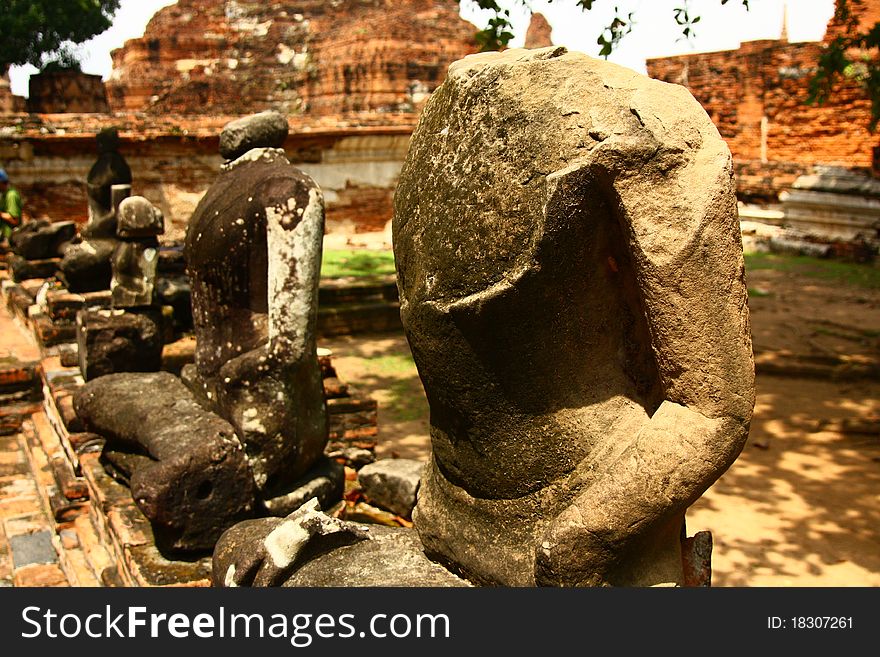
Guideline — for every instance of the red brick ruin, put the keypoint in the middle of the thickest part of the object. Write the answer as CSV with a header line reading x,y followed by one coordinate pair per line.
x,y
756,96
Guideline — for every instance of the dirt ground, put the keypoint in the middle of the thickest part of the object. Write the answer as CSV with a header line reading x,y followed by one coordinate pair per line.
x,y
801,506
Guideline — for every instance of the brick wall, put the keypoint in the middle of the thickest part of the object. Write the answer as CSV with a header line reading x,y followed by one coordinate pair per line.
x,y
757,98
357,167
63,92
310,57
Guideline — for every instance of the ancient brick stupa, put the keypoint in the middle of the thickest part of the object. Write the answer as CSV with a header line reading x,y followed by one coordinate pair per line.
x,y
312,56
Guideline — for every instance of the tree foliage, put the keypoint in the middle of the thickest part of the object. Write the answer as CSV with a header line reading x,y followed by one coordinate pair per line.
x,y
35,29
851,56
498,33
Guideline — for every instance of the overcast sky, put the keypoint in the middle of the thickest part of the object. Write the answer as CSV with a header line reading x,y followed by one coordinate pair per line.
x,y
655,33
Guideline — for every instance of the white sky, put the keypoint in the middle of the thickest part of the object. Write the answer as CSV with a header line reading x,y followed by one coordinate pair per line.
x,y
655,34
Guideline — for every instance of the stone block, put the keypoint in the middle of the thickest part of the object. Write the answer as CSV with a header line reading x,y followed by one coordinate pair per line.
x,y
42,239
40,575
32,269
117,341
35,548
392,484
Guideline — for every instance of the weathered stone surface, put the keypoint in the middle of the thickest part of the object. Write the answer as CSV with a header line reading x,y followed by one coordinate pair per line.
x,y
33,548
134,273
572,287
392,484
199,56
23,270
196,482
833,204
42,239
322,551
696,553
110,341
264,130
253,251
86,266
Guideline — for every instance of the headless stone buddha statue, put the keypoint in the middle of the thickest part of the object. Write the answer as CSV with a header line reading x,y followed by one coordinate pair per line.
x,y
86,266
253,250
572,288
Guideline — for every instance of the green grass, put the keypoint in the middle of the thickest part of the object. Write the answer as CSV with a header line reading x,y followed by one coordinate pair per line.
x,y
358,263
865,276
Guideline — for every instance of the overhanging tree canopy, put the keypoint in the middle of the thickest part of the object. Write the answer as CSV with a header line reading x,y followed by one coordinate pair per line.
x,y
34,28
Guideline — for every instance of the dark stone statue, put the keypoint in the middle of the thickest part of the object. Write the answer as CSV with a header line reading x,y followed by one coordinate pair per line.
x,y
254,256
86,266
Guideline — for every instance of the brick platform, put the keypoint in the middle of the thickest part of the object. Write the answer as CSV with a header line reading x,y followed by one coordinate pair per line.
x,y
63,520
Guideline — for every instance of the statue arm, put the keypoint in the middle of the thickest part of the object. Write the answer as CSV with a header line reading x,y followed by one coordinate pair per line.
x,y
678,215
295,232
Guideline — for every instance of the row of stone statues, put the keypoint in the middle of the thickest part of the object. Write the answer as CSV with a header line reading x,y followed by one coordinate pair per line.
x,y
572,289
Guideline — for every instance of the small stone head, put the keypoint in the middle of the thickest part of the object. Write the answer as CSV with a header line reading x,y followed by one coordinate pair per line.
x,y
264,130
138,218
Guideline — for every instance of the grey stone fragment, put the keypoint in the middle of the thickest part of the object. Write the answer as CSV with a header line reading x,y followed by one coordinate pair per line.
x,y
189,475
392,484
324,482
32,548
264,130
264,552
312,549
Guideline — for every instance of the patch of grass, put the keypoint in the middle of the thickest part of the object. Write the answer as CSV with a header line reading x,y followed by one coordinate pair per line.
x,y
847,273
358,263
756,293
393,364
408,402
